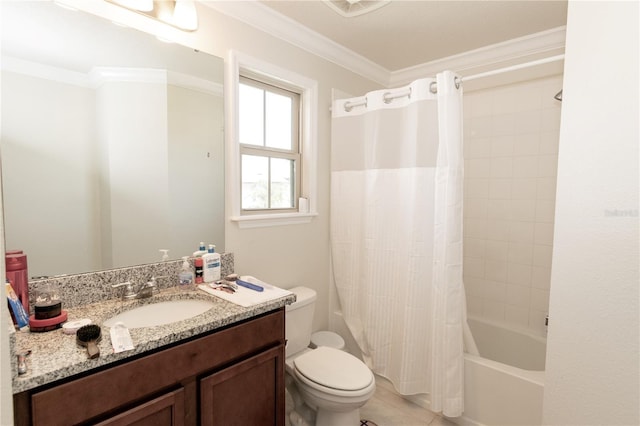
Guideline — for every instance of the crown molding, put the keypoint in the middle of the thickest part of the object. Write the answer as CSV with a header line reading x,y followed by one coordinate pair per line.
x,y
100,75
510,52
194,83
46,72
518,50
273,23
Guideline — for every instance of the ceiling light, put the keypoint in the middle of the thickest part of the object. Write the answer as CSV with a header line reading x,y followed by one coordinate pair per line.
x,y
185,15
65,6
181,14
141,5
351,8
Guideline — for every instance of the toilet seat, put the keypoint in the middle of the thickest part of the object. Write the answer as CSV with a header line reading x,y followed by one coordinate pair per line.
x,y
334,369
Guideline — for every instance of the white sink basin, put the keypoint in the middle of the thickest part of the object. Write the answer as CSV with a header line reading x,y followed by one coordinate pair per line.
x,y
160,313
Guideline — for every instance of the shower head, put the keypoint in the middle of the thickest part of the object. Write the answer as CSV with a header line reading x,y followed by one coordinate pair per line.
x,y
558,96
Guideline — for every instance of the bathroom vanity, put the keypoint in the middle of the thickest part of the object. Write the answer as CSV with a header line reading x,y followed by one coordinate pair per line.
x,y
223,367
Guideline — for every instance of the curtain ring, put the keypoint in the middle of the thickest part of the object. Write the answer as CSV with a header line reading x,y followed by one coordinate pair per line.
x,y
457,82
386,99
433,87
348,106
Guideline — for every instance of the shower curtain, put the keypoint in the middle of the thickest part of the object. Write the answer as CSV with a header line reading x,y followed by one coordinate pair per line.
x,y
396,234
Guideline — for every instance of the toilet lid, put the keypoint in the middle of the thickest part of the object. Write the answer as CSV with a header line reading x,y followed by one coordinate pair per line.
x,y
334,368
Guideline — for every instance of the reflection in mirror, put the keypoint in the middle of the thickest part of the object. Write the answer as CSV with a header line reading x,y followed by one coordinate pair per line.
x,y
111,142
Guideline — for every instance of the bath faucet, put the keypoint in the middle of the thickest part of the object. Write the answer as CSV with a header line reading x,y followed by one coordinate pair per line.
x,y
144,290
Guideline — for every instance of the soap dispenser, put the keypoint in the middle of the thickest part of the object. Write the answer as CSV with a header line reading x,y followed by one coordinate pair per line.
x,y
185,277
165,254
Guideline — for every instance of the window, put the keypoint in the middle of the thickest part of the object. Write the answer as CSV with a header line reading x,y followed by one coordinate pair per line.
x,y
268,134
271,144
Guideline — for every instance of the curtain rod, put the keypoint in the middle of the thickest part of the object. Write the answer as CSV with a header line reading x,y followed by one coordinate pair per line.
x,y
514,67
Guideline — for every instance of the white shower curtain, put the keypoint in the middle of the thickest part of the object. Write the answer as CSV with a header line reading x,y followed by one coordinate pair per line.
x,y
396,234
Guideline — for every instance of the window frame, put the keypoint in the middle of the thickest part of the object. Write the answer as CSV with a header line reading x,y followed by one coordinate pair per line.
x,y
269,152
240,64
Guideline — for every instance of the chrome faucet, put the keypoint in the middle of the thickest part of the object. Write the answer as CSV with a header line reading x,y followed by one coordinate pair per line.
x,y
144,290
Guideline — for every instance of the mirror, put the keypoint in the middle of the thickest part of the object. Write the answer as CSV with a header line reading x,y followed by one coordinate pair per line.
x,y
111,142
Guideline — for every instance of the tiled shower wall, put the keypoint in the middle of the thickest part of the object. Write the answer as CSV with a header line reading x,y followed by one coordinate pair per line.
x,y
511,138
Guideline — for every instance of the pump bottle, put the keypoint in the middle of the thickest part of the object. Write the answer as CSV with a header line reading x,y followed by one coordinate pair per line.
x,y
201,250
211,264
185,277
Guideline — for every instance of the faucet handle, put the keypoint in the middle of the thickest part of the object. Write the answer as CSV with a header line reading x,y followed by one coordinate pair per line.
x,y
128,289
154,283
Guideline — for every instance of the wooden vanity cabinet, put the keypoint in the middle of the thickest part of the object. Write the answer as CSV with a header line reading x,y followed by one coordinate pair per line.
x,y
165,410
234,376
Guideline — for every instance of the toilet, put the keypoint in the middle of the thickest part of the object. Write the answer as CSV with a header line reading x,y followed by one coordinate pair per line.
x,y
330,381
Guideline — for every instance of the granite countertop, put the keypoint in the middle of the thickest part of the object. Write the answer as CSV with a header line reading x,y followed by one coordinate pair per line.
x,y
55,355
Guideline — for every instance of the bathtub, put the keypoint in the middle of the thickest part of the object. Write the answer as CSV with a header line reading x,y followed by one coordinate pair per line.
x,y
505,384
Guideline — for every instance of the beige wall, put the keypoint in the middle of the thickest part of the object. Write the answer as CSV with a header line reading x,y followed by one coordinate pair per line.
x,y
511,138
593,346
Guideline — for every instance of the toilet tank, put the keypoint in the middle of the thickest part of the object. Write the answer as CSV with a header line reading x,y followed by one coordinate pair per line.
x,y
298,320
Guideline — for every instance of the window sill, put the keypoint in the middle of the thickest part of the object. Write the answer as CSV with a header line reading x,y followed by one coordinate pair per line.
x,y
262,220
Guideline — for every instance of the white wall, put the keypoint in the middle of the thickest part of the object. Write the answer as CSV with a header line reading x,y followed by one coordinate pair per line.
x,y
592,357
132,124
196,143
511,135
48,169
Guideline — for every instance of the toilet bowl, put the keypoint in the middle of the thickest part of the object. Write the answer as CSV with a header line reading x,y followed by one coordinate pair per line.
x,y
333,383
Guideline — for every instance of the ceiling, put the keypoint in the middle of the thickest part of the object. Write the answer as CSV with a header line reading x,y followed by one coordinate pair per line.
x,y
406,33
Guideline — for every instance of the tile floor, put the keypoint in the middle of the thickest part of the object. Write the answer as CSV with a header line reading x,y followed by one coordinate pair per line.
x,y
387,408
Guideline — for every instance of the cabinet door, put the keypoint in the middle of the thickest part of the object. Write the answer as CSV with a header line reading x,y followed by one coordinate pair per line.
x,y
166,410
250,392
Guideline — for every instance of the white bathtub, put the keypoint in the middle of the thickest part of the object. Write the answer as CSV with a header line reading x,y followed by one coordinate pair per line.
x,y
505,384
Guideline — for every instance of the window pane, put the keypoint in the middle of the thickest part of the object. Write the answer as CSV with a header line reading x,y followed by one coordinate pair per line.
x,y
278,130
255,182
251,119
282,183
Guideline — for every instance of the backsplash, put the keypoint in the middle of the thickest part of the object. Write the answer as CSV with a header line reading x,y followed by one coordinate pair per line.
x,y
92,287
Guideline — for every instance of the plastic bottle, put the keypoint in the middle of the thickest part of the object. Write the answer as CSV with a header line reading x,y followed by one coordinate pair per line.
x,y
201,250
199,270
211,265
18,276
185,277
